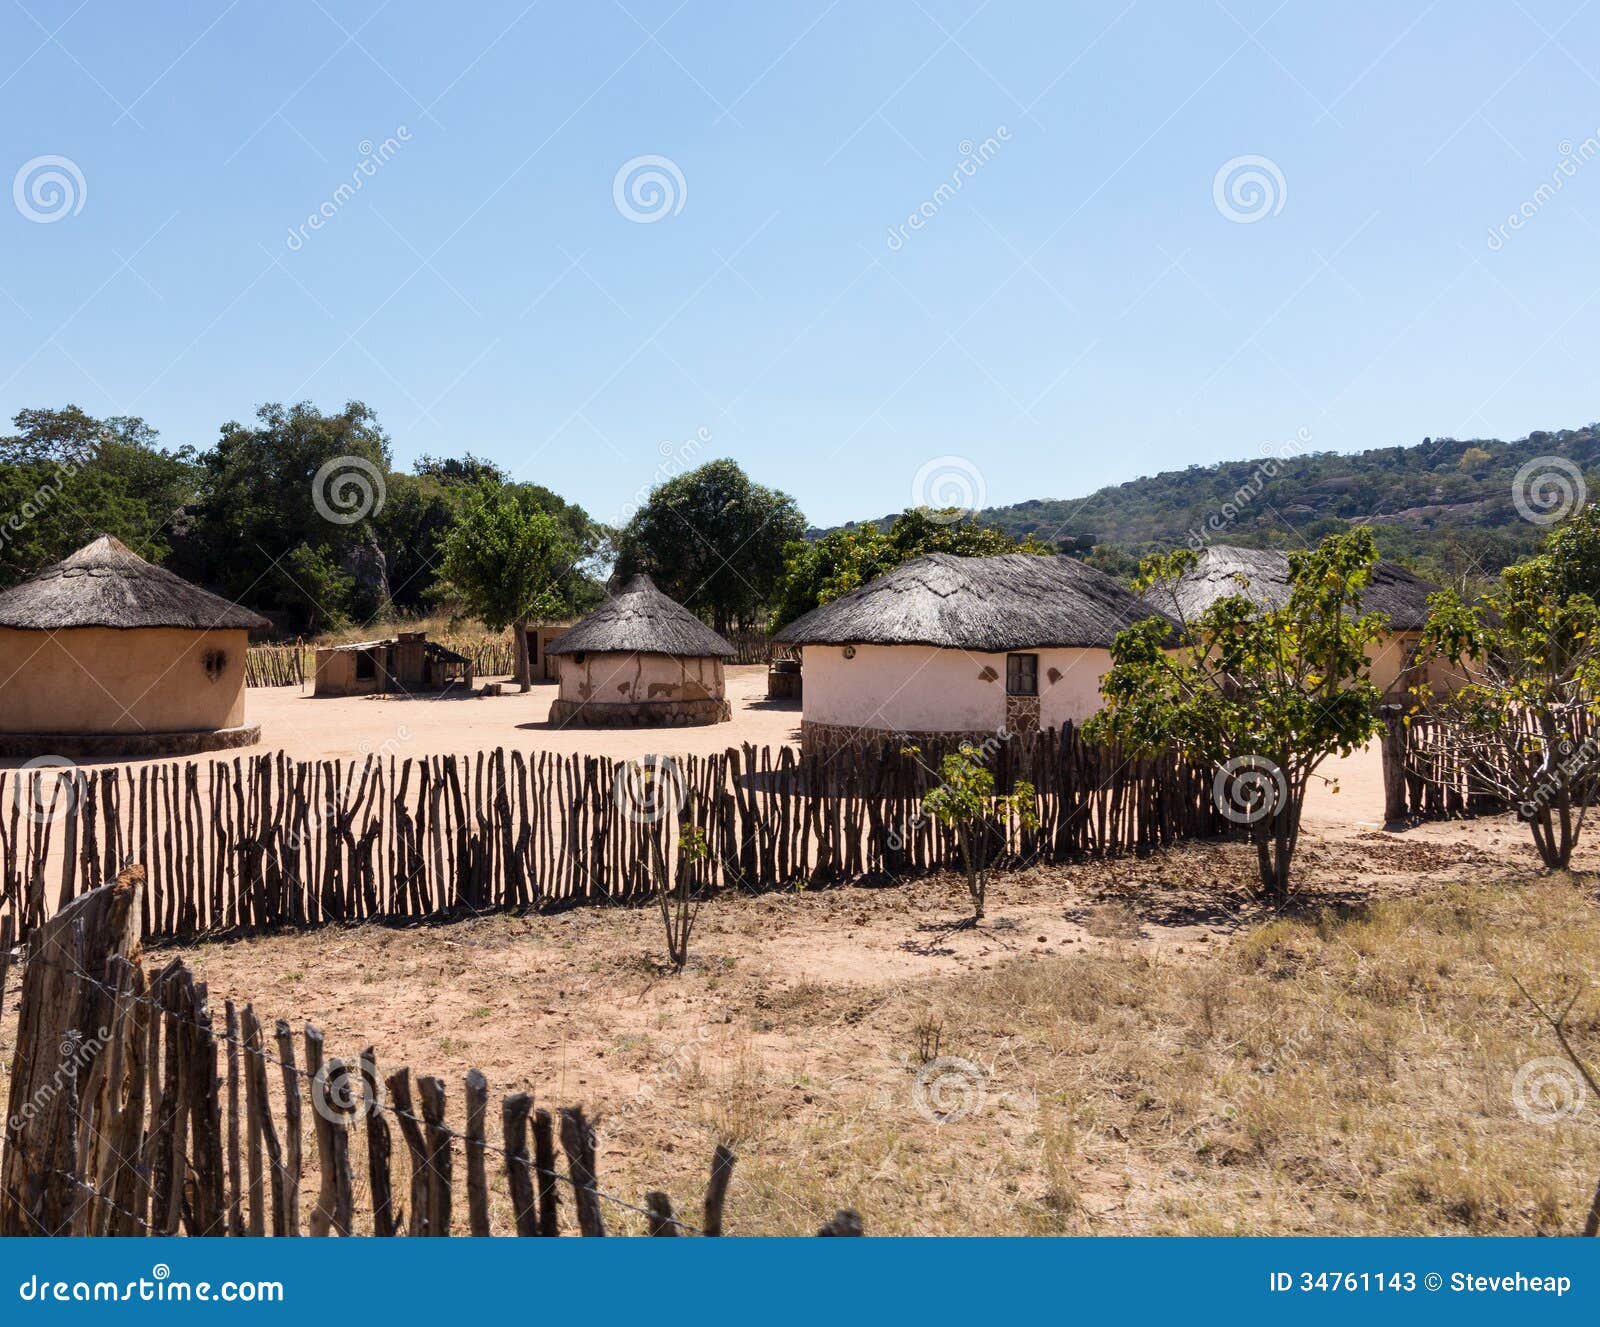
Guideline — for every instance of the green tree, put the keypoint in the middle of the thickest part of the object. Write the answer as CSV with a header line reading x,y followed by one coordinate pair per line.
x,y
506,557
67,478
1264,695
714,541
298,479
1527,720
965,802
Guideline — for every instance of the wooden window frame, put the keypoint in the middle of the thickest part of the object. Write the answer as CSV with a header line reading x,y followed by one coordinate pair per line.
x,y
1014,674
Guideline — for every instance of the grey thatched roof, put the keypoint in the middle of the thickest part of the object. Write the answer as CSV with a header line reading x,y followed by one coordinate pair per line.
x,y
1392,590
642,620
1016,601
105,584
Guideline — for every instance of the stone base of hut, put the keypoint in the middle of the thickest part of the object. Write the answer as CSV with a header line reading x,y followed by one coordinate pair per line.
x,y
110,746
829,739
639,714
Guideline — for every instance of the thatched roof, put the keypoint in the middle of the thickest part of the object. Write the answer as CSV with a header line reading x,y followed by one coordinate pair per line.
x,y
105,584
1391,590
641,620
1017,601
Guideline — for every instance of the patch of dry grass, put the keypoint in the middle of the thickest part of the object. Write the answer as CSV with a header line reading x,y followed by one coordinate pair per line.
x,y
1334,1074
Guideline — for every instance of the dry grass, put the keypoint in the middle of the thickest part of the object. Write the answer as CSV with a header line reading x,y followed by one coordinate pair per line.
x,y
1337,1074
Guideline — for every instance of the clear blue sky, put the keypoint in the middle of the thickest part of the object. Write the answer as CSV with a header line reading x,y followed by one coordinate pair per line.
x,y
1079,312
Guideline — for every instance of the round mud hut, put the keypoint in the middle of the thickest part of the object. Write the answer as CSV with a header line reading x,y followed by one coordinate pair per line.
x,y
104,654
947,648
640,660
1262,576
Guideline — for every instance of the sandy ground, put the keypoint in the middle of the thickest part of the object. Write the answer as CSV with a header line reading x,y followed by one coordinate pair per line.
x,y
349,727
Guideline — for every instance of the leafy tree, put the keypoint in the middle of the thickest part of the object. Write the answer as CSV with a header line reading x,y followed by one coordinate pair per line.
x,y
714,541
66,478
507,557
1265,695
966,803
1528,717
843,560
267,492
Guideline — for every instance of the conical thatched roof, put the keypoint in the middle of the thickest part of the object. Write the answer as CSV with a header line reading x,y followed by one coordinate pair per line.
x,y
1391,590
642,620
1016,601
105,584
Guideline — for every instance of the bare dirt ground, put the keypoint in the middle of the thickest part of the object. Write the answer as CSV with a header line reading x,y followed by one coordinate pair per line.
x,y
1135,1046
348,727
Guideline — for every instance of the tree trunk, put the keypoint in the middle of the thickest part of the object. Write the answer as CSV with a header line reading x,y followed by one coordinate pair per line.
x,y
522,673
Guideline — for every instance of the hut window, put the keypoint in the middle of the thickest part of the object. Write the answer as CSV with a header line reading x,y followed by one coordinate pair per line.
x,y
215,662
366,666
1022,674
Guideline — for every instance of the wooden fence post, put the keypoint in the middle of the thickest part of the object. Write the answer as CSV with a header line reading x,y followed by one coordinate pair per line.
x,y
577,1141
65,1022
1394,764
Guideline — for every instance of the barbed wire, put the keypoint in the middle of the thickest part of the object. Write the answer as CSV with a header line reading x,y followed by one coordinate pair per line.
x,y
484,1145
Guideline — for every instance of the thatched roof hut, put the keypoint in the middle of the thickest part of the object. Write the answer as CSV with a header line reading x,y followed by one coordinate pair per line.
x,y
1016,601
640,659
1262,575
106,654
947,646
107,584
642,620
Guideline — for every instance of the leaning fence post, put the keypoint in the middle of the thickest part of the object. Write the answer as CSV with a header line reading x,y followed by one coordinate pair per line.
x,y
519,1175
67,998
577,1141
